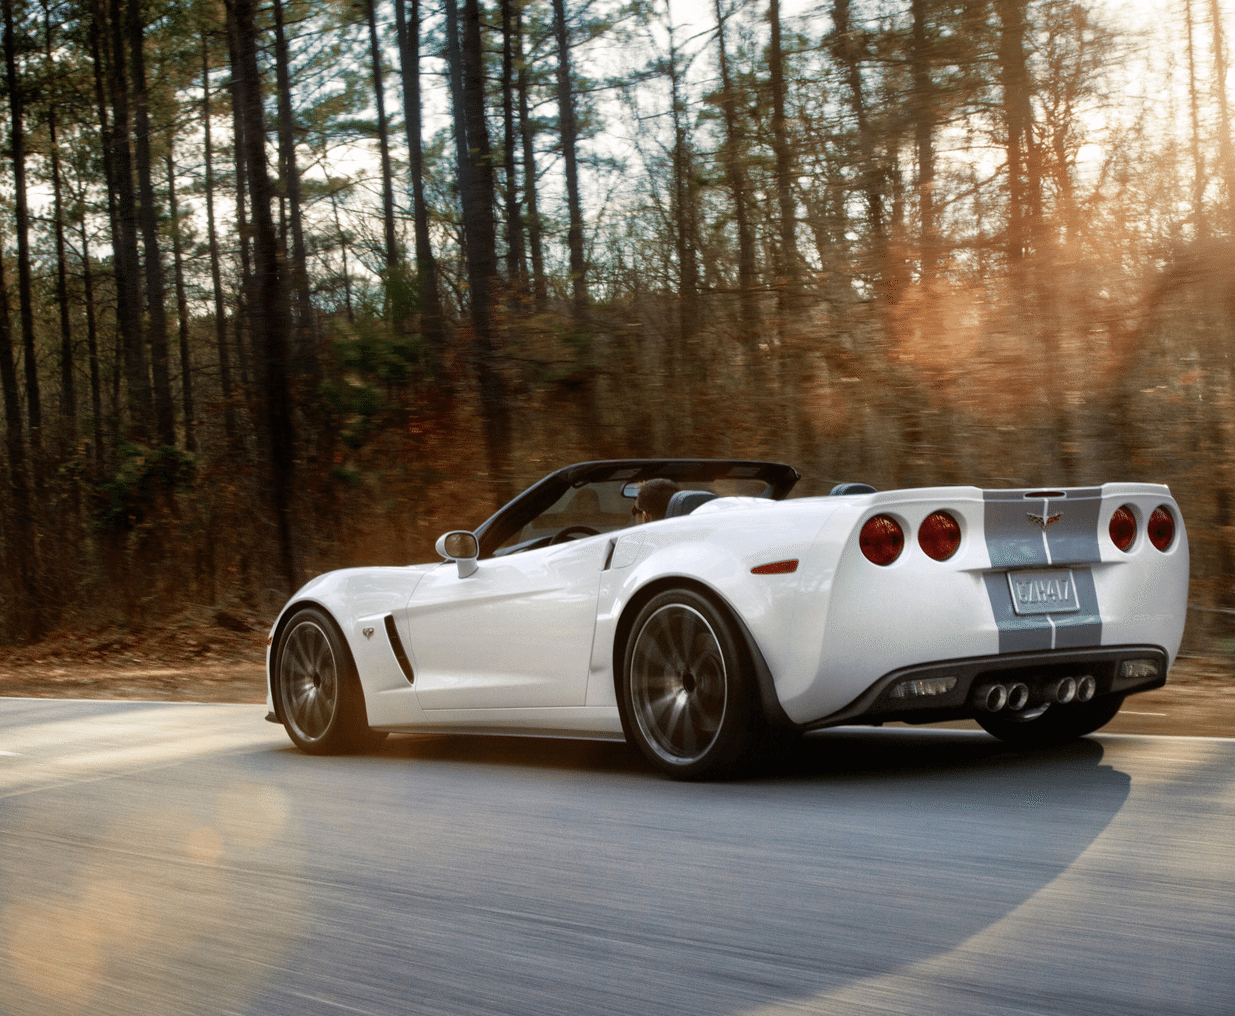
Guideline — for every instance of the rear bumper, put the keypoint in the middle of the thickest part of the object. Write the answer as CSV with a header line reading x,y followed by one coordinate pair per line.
x,y
892,697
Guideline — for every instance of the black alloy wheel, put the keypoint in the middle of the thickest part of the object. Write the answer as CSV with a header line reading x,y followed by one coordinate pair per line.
x,y
687,690
320,699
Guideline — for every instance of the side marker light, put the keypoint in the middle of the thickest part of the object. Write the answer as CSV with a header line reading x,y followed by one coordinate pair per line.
x,y
776,568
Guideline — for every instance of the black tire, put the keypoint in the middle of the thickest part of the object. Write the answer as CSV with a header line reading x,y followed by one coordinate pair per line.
x,y
1055,725
320,699
688,694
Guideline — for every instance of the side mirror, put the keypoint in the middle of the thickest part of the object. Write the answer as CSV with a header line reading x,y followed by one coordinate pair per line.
x,y
461,547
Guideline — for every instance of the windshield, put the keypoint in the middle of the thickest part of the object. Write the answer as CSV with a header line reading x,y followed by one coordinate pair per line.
x,y
604,506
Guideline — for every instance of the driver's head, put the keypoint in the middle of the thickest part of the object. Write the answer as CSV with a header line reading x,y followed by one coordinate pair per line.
x,y
653,499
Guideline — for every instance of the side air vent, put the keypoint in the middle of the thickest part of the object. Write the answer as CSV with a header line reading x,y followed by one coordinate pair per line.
x,y
396,644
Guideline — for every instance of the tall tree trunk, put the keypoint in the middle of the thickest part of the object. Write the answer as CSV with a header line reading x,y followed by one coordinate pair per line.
x,y
383,141
570,139
290,173
182,310
923,104
216,276
787,270
92,350
247,294
156,289
432,324
21,557
466,56
21,215
1198,160
1018,121
68,388
748,312
871,178
126,258
527,136
270,314
1225,148
516,258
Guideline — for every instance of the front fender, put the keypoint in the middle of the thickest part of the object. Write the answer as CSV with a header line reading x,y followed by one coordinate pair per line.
x,y
357,599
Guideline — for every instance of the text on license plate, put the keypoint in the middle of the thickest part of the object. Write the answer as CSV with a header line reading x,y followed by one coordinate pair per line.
x,y
1043,591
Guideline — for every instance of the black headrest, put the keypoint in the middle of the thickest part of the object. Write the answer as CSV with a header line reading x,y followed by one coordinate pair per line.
x,y
686,501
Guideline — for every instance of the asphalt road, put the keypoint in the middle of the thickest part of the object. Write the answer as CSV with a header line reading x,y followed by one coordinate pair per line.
x,y
176,858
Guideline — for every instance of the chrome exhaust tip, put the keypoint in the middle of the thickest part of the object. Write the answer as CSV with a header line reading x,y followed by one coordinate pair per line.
x,y
992,698
1086,688
1018,696
1065,690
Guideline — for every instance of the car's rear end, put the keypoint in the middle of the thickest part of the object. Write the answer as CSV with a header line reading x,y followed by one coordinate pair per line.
x,y
1004,605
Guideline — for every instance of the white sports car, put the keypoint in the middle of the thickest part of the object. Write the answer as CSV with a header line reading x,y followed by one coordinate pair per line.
x,y
741,614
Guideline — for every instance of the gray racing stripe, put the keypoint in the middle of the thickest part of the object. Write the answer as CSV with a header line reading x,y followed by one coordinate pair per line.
x,y
1026,532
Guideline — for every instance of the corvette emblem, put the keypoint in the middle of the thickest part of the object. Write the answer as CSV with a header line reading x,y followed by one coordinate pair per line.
x,y
1049,520
368,632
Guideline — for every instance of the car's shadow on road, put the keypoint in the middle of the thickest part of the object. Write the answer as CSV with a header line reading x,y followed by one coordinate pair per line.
x,y
838,755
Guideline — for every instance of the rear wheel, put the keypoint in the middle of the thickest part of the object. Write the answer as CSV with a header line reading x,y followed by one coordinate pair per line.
x,y
687,690
1055,724
320,699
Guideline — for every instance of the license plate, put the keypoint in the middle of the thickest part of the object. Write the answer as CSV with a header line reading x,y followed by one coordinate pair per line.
x,y
1043,591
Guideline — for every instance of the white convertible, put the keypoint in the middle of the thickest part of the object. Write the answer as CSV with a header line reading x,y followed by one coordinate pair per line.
x,y
742,614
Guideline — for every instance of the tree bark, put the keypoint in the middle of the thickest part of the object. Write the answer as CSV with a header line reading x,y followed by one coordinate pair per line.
x,y
216,275
126,259
479,234
570,140
1225,148
21,215
156,288
870,180
383,142
527,136
92,350
21,561
787,270
182,311
1018,122
516,258
923,104
290,173
270,313
432,325
748,311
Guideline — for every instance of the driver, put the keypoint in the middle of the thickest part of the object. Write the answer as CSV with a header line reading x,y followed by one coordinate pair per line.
x,y
653,499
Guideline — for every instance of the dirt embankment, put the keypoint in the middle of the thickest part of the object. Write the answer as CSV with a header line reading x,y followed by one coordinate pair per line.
x,y
219,656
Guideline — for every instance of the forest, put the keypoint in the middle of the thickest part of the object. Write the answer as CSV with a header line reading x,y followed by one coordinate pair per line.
x,y
303,284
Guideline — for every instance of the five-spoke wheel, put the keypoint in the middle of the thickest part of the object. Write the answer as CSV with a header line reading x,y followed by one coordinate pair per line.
x,y
687,693
320,701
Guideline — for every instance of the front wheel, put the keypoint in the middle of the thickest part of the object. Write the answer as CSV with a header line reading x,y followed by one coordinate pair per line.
x,y
320,699
1056,724
687,691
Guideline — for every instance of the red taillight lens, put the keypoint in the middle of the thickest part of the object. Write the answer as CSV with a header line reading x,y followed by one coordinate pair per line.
x,y
1161,529
1123,528
939,535
882,539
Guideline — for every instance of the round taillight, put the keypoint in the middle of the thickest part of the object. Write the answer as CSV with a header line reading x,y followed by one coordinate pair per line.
x,y
1123,528
939,535
882,539
1161,529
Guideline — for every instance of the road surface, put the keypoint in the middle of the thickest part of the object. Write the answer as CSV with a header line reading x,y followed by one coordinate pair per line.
x,y
180,858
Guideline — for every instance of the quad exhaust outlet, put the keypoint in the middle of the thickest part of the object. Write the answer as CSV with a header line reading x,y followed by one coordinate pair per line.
x,y
1015,696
